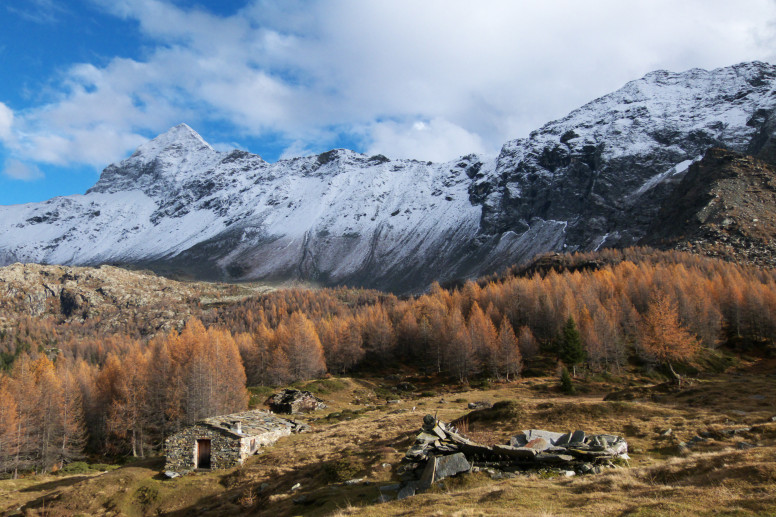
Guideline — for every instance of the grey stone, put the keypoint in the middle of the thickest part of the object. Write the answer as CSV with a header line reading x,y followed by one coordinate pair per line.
x,y
563,440
170,474
439,432
515,452
440,467
457,438
745,445
390,488
425,438
480,404
528,435
451,465
428,476
667,432
356,481
577,437
408,490
384,498
554,458
296,487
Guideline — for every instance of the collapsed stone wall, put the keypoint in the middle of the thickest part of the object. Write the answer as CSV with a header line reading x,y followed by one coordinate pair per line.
x,y
441,451
291,401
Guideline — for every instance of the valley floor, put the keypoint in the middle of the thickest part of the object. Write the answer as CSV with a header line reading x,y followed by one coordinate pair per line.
x,y
730,471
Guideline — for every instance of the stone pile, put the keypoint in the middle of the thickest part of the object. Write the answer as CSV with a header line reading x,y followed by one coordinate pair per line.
x,y
441,451
290,401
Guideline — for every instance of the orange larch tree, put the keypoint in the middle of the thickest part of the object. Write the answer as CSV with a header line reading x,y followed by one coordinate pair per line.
x,y
663,336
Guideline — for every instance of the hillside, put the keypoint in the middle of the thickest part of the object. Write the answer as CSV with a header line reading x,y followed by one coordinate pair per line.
x,y
717,448
725,206
595,178
109,299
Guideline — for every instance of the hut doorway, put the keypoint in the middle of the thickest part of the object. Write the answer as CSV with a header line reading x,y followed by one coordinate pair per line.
x,y
203,454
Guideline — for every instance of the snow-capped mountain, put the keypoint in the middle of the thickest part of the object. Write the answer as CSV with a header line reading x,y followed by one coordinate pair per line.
x,y
594,178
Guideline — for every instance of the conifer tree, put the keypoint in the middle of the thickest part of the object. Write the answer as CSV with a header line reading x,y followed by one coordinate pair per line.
x,y
570,349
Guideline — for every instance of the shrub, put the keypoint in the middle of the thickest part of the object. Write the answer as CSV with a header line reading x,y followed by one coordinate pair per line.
x,y
566,385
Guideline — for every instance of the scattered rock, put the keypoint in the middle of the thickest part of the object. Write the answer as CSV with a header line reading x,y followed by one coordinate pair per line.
x,y
481,404
405,386
170,474
296,487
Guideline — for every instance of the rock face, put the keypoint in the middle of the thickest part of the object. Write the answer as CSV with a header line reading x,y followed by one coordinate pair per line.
x,y
596,177
725,206
294,401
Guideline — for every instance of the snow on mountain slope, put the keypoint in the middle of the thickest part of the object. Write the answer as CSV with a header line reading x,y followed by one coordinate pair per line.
x,y
596,177
606,166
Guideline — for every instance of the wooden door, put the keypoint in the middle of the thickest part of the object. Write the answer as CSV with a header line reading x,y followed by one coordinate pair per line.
x,y
203,454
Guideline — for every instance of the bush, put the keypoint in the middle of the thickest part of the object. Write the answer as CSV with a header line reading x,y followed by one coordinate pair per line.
x,y
77,467
502,411
566,386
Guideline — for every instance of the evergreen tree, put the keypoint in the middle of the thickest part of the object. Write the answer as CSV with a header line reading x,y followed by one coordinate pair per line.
x,y
570,347
566,386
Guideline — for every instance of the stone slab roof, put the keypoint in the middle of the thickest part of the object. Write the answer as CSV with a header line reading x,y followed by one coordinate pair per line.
x,y
252,423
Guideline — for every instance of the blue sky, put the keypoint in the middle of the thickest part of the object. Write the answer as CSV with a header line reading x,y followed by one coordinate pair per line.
x,y
84,82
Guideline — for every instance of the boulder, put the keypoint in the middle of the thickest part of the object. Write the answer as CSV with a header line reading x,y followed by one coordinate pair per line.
x,y
440,467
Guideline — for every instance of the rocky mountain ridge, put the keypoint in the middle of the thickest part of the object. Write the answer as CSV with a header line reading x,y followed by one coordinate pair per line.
x,y
597,177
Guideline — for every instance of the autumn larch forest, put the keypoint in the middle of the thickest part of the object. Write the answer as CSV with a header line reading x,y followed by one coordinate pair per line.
x,y
67,391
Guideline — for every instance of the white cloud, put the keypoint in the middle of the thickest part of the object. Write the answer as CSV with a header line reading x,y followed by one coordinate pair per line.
x,y
476,74
435,140
21,171
6,122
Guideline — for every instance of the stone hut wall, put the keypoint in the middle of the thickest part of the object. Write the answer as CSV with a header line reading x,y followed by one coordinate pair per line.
x,y
226,450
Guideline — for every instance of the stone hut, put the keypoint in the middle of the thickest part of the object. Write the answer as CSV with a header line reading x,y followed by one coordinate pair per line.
x,y
222,442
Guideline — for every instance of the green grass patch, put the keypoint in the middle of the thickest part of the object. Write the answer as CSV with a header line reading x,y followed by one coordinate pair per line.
x,y
325,386
82,467
258,394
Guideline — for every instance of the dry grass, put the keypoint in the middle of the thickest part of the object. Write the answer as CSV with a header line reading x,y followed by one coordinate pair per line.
x,y
711,477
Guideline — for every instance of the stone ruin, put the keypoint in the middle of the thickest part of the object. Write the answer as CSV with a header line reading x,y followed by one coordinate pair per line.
x,y
440,451
290,401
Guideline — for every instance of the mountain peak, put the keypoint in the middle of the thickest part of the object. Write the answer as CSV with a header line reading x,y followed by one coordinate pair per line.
x,y
176,138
